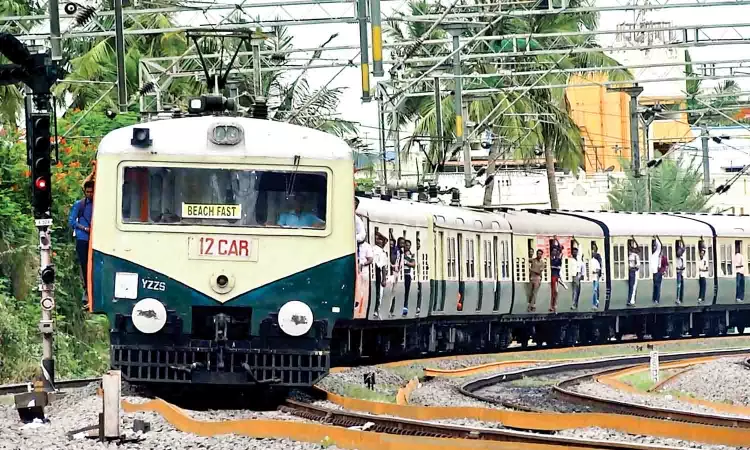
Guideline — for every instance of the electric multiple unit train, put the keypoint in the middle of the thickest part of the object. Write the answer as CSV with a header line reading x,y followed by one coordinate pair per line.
x,y
223,252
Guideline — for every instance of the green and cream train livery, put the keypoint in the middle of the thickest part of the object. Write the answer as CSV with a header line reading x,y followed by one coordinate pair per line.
x,y
222,250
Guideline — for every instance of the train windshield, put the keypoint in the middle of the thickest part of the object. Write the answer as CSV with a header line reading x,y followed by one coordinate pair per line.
x,y
224,197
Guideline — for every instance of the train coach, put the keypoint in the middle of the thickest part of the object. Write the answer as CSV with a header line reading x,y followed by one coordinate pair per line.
x,y
650,281
222,250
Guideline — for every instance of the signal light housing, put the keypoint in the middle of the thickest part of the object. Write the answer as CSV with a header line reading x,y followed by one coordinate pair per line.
x,y
38,138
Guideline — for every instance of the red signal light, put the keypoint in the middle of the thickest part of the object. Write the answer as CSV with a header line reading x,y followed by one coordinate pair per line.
x,y
41,184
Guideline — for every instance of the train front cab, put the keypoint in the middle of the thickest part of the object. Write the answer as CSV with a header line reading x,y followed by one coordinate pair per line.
x,y
199,281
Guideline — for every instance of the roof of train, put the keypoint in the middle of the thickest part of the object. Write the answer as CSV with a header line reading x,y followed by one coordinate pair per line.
x,y
647,224
725,225
189,136
407,212
524,222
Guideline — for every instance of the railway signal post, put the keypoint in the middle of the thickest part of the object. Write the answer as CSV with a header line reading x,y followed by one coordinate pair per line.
x,y
38,72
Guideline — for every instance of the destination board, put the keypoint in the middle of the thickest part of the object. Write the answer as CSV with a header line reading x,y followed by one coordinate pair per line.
x,y
206,211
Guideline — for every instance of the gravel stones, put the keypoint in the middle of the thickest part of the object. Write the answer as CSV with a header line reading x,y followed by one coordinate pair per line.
x,y
80,408
721,380
602,434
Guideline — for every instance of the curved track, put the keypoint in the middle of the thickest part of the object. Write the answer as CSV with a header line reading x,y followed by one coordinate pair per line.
x,y
611,365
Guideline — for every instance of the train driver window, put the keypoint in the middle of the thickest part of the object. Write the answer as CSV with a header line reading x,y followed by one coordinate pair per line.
x,y
224,197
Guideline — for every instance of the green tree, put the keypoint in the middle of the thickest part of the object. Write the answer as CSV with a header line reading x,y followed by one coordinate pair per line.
x,y
675,187
527,122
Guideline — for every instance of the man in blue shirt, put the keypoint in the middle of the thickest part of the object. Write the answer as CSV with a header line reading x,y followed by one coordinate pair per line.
x,y
80,222
298,219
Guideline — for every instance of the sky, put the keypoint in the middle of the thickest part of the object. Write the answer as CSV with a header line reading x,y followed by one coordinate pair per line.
x,y
352,108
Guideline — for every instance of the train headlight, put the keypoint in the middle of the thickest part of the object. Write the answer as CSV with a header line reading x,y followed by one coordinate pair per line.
x,y
295,318
149,316
225,134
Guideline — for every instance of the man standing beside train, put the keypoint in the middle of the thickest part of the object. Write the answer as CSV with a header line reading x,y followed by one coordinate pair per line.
x,y
80,221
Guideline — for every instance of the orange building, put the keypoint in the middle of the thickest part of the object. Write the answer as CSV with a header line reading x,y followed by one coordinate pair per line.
x,y
604,120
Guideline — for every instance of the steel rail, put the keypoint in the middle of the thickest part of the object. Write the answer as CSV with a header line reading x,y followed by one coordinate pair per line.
x,y
611,365
402,426
20,388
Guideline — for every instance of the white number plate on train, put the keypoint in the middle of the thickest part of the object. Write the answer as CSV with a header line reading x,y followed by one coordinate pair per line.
x,y
223,247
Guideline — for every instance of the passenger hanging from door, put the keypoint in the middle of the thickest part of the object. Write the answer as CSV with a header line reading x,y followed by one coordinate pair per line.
x,y
702,275
577,274
634,262
596,273
738,261
409,266
680,270
656,269
380,260
536,266
555,266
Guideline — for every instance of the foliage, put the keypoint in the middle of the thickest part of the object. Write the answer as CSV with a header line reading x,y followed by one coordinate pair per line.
x,y
674,187
81,341
528,122
726,98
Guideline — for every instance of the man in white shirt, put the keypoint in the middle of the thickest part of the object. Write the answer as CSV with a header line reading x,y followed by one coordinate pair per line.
x,y
576,275
654,262
382,264
738,261
634,263
596,273
366,257
702,275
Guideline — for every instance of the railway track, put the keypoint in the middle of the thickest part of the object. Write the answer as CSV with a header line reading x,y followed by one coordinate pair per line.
x,y
400,426
20,388
564,389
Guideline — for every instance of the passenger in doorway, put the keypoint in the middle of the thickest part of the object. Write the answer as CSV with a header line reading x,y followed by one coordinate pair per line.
x,y
365,257
738,261
380,259
702,275
596,273
360,232
656,272
634,262
680,270
536,266
80,221
409,266
578,273
555,265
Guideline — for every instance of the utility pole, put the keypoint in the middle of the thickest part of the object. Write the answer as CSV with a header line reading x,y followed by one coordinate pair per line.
x,y
122,94
455,30
633,91
381,135
377,39
363,49
706,173
54,30
439,120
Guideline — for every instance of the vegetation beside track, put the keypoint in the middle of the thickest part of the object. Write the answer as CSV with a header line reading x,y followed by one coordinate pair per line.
x,y
81,341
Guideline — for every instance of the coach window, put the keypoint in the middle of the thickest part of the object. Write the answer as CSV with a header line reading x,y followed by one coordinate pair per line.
x,y
619,262
725,259
224,197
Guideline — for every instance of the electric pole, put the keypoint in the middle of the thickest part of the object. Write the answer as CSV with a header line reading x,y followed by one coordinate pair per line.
x,y
706,173
633,91
455,30
122,95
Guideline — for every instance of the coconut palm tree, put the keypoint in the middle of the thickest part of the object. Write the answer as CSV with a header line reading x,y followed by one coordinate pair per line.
x,y
546,123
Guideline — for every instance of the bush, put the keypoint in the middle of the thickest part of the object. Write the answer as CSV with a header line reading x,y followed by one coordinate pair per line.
x,y
81,340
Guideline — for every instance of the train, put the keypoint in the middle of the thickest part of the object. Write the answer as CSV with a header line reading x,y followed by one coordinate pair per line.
x,y
223,252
